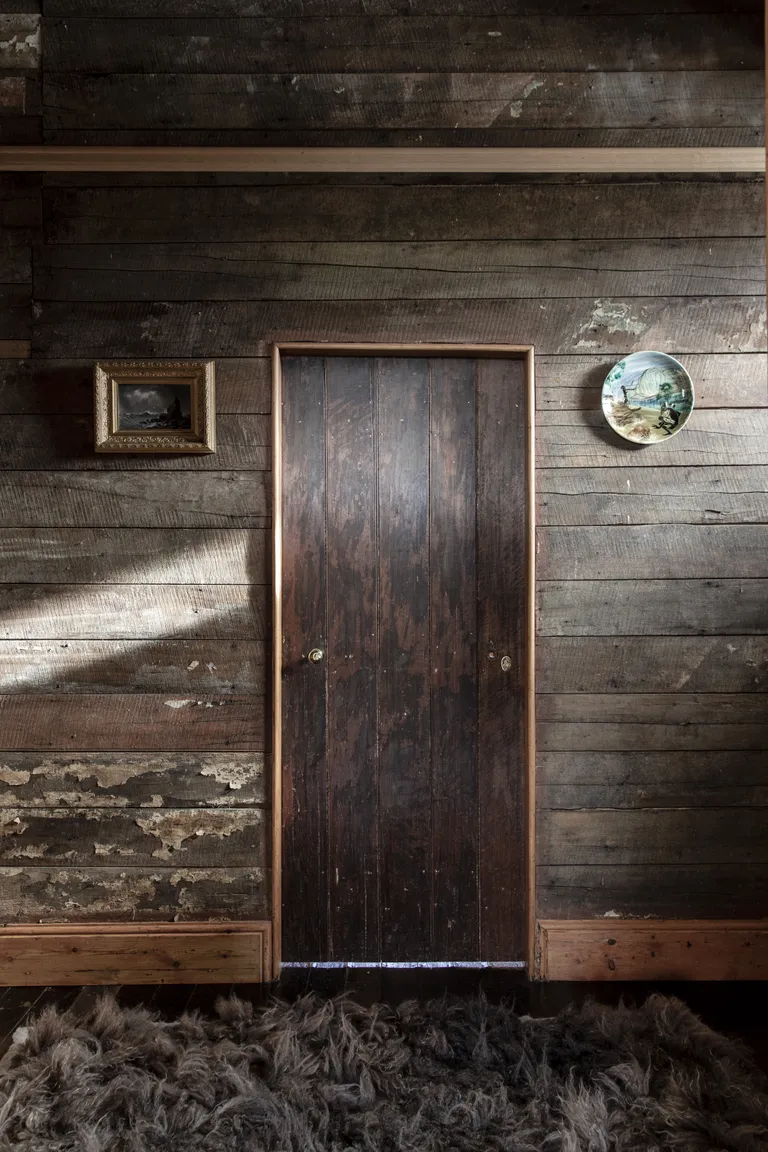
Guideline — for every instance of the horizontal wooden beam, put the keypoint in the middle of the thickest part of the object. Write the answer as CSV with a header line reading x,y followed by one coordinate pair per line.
x,y
199,953
55,158
651,950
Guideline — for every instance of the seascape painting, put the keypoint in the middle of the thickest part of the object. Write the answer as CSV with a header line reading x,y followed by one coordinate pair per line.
x,y
647,397
146,405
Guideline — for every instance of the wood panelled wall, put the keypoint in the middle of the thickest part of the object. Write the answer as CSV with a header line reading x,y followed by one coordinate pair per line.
x,y
135,592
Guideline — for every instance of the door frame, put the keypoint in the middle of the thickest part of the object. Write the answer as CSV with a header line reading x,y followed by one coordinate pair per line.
x,y
523,352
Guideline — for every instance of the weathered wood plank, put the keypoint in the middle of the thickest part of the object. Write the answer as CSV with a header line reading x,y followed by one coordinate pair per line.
x,y
564,737
41,722
652,608
531,210
717,436
396,270
652,664
248,328
723,551
403,684
12,95
219,667
699,495
40,894
611,890
353,776
657,836
141,779
169,9
135,500
583,797
381,44
79,837
20,41
458,96
653,708
33,442
728,380
134,555
15,312
133,611
59,387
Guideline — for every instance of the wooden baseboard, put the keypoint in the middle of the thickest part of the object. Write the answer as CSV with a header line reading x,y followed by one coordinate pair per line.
x,y
200,953
652,949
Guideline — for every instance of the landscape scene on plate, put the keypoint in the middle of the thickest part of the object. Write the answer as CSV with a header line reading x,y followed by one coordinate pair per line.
x,y
143,405
647,397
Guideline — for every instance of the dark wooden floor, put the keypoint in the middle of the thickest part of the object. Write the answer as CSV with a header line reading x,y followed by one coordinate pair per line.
x,y
736,1009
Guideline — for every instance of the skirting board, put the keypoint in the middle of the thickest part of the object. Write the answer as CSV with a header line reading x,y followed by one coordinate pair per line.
x,y
652,949
189,953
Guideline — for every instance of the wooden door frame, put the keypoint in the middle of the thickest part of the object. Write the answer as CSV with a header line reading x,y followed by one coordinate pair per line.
x,y
475,351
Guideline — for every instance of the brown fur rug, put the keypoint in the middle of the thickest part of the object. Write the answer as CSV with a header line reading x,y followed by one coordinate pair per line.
x,y
461,1076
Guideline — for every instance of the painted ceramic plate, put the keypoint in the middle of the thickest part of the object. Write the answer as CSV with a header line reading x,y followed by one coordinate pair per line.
x,y
647,397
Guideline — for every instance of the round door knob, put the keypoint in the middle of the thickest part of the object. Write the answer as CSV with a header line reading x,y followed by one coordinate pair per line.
x,y
316,655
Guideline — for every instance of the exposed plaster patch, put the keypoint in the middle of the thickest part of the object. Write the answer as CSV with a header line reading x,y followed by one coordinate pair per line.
x,y
516,106
233,775
32,851
174,828
611,317
12,825
24,40
105,775
155,801
13,776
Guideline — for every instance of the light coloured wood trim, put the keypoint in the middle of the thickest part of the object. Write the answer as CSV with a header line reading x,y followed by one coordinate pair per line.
x,y
66,158
15,349
277,663
149,953
653,950
351,348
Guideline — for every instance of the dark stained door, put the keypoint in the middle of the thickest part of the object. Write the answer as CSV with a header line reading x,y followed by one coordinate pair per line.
x,y
404,559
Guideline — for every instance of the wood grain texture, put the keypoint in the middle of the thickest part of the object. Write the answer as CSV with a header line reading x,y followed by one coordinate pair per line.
x,y
352,737
532,210
454,658
501,575
652,664
31,892
403,684
42,722
139,954
699,495
134,556
179,667
722,551
248,328
653,608
665,950
178,9
143,779
396,270
381,44
574,736
135,500
149,612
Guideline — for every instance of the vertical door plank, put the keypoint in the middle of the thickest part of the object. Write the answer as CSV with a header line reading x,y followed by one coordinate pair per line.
x,y
403,692
352,646
305,840
453,642
501,555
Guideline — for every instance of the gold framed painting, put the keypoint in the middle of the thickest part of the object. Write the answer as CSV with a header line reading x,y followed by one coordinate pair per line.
x,y
154,406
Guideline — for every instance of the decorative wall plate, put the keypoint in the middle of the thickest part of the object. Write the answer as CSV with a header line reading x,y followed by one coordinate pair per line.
x,y
647,397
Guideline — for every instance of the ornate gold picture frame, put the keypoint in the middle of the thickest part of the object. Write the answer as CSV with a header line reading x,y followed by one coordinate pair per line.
x,y
154,406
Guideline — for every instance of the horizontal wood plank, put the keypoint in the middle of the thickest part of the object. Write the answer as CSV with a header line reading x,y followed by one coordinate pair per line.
x,y
134,555
37,499
31,892
692,551
136,954
248,328
133,611
532,210
144,779
178,667
149,722
183,9
377,271
553,736
662,950
653,608
686,708
140,837
652,664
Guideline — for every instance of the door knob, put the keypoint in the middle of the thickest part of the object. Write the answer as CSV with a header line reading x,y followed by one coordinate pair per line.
x,y
316,655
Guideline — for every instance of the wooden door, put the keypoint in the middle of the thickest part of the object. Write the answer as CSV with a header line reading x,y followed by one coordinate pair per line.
x,y
404,558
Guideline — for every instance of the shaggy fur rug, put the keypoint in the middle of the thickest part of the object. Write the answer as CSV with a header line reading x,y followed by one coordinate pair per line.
x,y
461,1076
